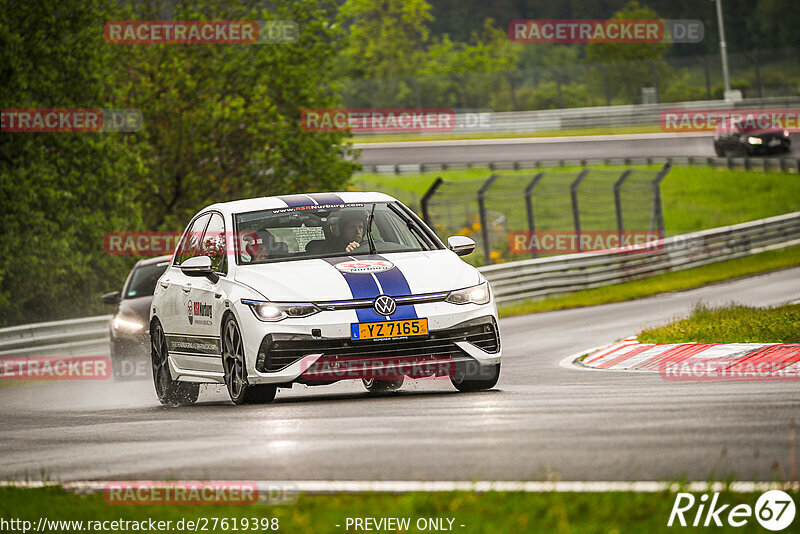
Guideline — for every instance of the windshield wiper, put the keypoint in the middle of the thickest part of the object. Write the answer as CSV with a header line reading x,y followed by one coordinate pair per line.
x,y
414,229
372,249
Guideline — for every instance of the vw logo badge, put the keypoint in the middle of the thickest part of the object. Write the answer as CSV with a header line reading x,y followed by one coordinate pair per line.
x,y
384,305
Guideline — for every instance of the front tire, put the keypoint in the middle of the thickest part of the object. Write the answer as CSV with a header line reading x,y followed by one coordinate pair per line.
x,y
234,364
472,376
378,387
169,392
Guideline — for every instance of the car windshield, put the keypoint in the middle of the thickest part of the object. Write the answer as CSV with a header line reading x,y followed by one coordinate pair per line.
x,y
306,232
143,280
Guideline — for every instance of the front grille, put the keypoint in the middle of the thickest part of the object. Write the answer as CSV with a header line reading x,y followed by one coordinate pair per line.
x,y
278,351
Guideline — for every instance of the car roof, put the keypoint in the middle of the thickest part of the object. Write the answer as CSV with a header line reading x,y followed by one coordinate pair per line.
x,y
308,199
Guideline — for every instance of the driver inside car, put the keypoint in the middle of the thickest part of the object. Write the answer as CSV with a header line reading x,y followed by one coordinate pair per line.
x,y
261,245
352,225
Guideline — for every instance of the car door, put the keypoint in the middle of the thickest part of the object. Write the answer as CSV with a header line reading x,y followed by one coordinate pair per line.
x,y
175,313
205,302
733,138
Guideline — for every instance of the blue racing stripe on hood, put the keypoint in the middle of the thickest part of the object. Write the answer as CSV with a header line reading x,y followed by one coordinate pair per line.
x,y
363,286
394,284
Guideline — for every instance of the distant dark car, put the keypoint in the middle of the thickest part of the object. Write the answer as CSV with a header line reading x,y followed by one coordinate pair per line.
x,y
130,336
732,139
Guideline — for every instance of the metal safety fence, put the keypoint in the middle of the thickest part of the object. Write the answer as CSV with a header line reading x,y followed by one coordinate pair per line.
x,y
494,209
544,277
85,336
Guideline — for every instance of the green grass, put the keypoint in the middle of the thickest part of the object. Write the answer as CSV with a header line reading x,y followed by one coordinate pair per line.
x,y
696,198
493,512
662,283
731,324
610,130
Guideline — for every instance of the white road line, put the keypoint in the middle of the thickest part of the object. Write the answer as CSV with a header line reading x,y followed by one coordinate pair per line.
x,y
401,486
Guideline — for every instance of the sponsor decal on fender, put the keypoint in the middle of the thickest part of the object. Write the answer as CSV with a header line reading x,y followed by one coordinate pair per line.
x,y
197,310
364,266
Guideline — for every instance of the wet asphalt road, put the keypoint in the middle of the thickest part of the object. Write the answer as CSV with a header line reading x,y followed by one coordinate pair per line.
x,y
542,421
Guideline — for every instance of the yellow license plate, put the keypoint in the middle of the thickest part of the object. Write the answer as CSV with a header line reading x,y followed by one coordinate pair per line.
x,y
386,329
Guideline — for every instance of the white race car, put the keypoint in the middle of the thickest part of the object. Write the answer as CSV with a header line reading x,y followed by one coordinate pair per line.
x,y
312,289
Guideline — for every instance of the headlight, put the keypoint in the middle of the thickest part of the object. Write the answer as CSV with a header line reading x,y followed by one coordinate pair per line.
x,y
278,311
786,133
129,326
472,295
755,140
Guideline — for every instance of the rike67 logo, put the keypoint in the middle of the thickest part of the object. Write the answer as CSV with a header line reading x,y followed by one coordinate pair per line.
x,y
198,310
774,510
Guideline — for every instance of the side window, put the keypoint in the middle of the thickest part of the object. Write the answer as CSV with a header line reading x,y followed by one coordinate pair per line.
x,y
190,244
214,243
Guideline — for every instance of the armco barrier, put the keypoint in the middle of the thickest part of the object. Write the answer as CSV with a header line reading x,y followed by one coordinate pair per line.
x,y
556,275
510,281
87,336
602,117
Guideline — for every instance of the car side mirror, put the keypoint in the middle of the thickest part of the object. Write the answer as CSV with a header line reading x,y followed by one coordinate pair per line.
x,y
460,244
199,267
111,298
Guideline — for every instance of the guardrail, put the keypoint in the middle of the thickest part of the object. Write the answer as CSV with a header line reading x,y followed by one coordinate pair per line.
x,y
784,164
556,275
87,336
510,281
595,117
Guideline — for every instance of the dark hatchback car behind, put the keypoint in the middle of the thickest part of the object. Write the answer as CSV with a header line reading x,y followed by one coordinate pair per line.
x,y
129,329
732,139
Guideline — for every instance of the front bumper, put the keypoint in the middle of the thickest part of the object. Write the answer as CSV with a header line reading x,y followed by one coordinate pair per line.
x,y
768,148
290,357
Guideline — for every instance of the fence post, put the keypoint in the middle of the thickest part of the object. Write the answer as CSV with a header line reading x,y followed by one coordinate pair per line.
x,y
487,247
529,208
618,202
576,217
657,220
423,203
605,84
